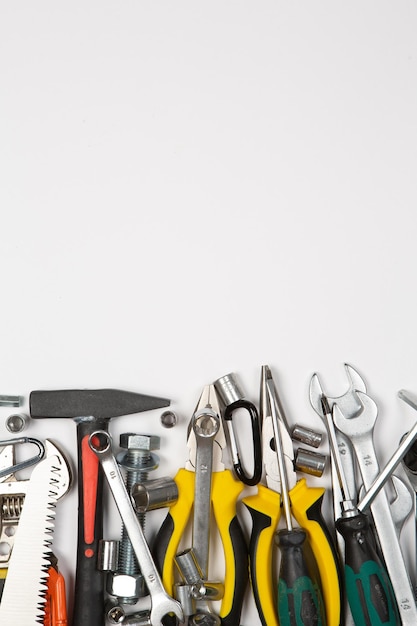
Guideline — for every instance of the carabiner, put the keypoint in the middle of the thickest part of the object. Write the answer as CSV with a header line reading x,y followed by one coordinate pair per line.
x,y
233,399
16,467
257,448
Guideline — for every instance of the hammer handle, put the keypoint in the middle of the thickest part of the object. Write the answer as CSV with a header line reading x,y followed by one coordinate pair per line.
x,y
89,581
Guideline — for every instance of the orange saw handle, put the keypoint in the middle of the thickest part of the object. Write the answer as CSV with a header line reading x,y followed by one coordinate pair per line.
x,y
56,603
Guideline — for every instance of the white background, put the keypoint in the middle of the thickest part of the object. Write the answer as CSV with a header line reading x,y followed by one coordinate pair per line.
x,y
193,188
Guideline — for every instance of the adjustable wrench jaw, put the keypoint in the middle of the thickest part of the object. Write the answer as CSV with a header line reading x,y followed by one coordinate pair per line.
x,y
65,474
13,492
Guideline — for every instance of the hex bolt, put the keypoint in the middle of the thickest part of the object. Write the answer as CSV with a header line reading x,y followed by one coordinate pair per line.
x,y
137,462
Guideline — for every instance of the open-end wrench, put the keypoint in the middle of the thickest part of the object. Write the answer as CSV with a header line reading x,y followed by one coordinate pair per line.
x,y
359,429
350,404
162,603
402,504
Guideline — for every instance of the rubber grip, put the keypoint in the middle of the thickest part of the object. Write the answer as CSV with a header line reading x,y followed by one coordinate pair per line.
x,y
265,510
169,535
306,505
56,604
300,600
234,545
369,590
3,574
89,581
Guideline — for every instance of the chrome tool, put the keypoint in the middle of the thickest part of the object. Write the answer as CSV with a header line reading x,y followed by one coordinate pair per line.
x,y
162,603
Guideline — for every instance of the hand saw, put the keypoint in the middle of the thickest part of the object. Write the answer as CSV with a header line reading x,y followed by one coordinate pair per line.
x,y
25,588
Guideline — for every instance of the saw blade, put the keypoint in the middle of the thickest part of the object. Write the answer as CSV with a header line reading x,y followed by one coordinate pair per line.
x,y
25,588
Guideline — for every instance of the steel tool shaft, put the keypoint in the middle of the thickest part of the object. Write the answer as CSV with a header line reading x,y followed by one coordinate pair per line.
x,y
162,603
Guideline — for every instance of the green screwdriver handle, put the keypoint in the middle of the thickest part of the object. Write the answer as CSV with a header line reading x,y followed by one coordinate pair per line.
x,y
368,587
300,601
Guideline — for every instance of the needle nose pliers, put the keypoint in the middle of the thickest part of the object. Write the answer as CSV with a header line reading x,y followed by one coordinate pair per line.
x,y
305,506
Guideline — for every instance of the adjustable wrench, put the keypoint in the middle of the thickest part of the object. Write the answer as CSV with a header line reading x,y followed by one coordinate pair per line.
x,y
359,429
162,603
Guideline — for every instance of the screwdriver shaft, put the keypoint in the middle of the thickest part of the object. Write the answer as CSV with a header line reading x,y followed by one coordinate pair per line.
x,y
280,457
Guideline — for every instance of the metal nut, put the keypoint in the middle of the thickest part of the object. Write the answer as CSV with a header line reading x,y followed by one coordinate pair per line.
x,y
124,586
139,442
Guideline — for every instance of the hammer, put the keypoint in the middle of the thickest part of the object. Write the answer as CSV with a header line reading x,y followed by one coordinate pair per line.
x,y
91,410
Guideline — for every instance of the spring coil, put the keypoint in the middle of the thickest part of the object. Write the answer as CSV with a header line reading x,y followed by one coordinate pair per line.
x,y
11,507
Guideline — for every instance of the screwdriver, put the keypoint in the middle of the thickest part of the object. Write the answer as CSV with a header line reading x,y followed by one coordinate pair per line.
x,y
300,601
368,587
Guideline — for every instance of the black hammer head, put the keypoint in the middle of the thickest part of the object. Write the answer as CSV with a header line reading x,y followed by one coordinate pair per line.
x,y
98,403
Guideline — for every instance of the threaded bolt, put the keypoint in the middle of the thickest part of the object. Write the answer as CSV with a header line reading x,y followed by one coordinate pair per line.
x,y
137,462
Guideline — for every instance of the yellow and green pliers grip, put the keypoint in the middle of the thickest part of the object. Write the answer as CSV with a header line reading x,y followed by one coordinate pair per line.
x,y
306,505
224,494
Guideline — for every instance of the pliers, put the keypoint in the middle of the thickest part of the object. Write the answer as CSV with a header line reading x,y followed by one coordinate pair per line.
x,y
305,505
224,491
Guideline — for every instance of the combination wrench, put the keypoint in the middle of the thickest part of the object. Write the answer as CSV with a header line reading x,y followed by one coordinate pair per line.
x,y
350,405
206,425
359,429
161,603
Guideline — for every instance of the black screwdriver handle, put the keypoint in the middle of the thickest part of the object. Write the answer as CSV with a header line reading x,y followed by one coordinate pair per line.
x,y
368,587
300,600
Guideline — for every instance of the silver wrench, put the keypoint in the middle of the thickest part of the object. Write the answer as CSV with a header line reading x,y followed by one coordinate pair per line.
x,y
162,603
350,404
359,429
402,504
206,426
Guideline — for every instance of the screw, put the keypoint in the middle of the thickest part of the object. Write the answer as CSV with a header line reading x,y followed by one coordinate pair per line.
x,y
116,615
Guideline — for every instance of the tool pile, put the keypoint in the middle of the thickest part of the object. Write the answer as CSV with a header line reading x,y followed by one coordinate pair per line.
x,y
302,569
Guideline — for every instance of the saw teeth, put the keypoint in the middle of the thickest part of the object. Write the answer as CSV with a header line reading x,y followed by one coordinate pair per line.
x,y
32,553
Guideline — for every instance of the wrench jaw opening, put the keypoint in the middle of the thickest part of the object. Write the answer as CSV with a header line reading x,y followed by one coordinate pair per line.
x,y
359,429
348,402
362,423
